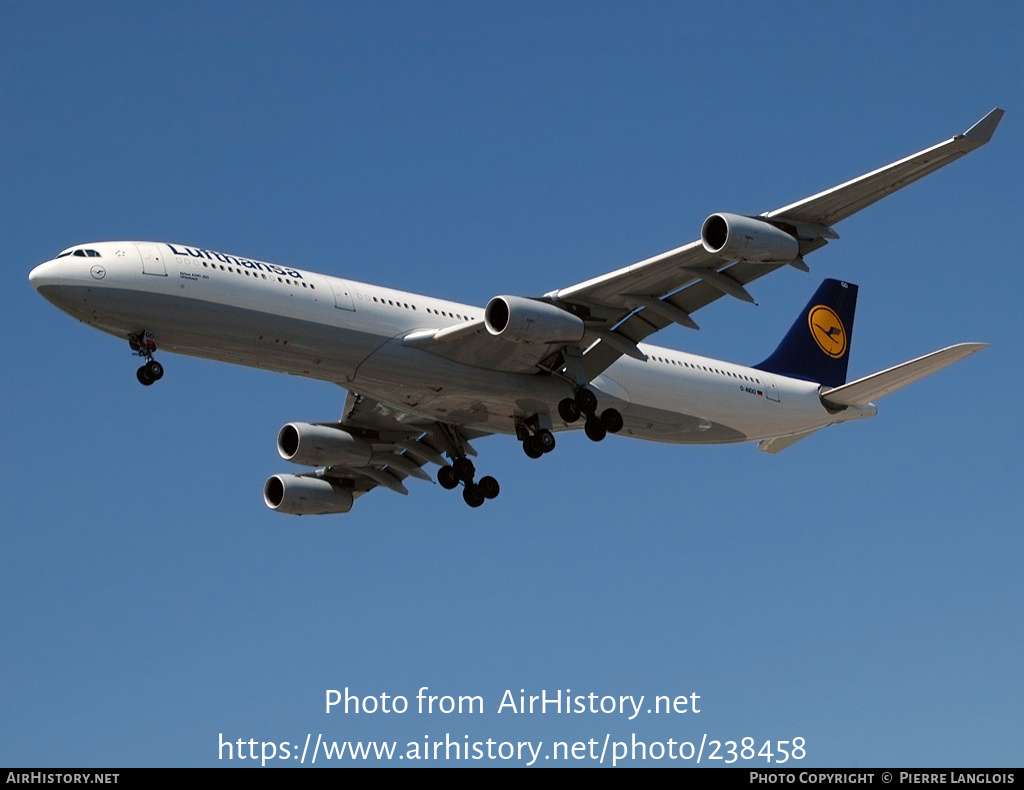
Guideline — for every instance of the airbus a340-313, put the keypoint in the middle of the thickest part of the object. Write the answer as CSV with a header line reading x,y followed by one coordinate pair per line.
x,y
426,377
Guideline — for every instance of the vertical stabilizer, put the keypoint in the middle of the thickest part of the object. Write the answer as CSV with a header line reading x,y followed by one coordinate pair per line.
x,y
817,346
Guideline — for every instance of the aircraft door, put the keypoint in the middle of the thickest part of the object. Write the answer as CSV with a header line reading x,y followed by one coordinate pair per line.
x,y
771,392
152,260
342,293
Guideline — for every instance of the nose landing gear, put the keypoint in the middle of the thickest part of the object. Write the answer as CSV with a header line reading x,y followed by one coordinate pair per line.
x,y
144,345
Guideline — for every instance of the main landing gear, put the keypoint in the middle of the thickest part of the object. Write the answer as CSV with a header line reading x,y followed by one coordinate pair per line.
x,y
585,404
143,345
536,439
542,441
463,471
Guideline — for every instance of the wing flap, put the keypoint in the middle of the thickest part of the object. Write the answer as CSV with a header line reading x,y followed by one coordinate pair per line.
x,y
640,325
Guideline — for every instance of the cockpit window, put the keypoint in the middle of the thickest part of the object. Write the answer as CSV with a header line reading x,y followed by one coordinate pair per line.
x,y
80,253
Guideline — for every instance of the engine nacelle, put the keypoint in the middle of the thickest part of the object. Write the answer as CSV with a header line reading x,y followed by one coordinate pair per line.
x,y
736,238
322,445
529,321
305,496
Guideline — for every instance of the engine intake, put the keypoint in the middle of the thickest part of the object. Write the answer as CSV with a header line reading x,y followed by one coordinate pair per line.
x,y
305,496
736,238
322,445
521,320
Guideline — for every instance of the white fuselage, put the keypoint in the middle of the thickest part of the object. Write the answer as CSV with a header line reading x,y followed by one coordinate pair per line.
x,y
206,304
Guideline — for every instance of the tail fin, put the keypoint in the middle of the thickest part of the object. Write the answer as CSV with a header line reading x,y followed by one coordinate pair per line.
x,y
817,346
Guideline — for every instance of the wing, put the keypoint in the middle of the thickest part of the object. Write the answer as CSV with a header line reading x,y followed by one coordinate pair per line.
x,y
620,309
402,445
636,301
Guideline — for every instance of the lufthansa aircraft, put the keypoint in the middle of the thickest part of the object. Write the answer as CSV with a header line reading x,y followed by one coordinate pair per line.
x,y
425,376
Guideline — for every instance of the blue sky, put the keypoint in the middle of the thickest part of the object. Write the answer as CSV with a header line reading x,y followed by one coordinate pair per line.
x,y
861,590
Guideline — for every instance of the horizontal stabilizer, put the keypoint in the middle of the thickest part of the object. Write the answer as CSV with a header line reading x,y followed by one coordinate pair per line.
x,y
867,389
779,443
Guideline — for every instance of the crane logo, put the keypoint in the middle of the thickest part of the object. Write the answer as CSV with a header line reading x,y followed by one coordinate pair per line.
x,y
827,330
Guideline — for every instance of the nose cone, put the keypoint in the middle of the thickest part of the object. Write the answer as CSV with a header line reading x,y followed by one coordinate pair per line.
x,y
45,274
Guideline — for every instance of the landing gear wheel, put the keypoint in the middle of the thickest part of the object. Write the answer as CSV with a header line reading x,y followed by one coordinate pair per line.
x,y
611,420
464,469
594,430
545,440
532,448
568,410
143,344
472,495
586,401
489,487
447,478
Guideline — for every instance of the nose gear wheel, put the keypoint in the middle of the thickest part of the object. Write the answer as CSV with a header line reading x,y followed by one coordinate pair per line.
x,y
143,344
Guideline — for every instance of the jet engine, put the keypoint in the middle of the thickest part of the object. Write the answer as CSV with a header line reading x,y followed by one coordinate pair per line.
x,y
322,445
736,238
305,496
522,320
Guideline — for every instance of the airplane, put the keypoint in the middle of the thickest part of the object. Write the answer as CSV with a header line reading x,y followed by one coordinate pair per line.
x,y
426,376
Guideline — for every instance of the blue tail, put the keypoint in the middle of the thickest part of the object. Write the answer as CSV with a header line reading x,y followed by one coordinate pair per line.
x,y
817,346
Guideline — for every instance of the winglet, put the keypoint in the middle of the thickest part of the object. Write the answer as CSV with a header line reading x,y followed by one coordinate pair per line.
x,y
982,131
